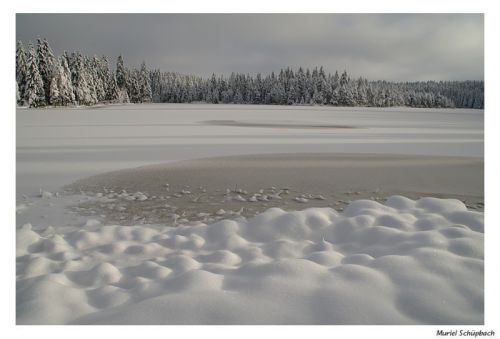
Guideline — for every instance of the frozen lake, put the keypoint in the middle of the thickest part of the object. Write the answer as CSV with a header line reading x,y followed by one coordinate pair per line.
x,y
58,146
309,242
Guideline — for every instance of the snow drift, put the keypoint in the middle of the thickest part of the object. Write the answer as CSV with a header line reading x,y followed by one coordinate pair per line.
x,y
402,262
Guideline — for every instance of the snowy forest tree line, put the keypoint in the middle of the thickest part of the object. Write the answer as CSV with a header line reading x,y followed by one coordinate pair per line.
x,y
43,79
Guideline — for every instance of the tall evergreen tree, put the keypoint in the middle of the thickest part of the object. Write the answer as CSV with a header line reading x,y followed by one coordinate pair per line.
x,y
121,80
112,92
156,85
134,86
34,94
21,70
346,95
63,81
54,94
91,79
145,84
97,71
361,98
83,92
46,63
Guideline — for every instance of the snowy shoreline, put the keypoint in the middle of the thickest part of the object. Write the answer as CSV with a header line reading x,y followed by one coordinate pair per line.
x,y
226,187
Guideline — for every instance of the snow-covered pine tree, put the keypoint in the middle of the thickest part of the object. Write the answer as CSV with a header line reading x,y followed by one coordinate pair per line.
x,y
65,86
83,94
91,79
346,95
104,74
46,62
322,86
21,71
361,99
317,95
370,94
112,93
292,91
134,86
54,95
309,87
95,71
213,90
328,91
34,95
122,81
71,59
145,84
155,80
278,95
257,89
335,86
301,86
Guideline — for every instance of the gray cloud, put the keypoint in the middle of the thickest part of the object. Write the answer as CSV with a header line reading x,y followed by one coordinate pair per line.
x,y
377,46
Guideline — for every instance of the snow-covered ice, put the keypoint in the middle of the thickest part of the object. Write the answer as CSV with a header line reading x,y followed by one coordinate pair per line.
x,y
58,146
405,262
357,261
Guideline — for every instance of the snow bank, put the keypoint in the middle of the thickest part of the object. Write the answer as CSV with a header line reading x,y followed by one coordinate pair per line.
x,y
405,262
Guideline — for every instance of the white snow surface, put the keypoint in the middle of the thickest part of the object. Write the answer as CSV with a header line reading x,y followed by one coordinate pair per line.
x,y
402,262
57,146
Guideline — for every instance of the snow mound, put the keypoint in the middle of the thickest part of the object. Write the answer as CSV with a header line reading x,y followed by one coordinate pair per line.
x,y
405,262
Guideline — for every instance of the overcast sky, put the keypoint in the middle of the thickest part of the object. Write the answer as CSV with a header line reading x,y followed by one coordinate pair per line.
x,y
397,47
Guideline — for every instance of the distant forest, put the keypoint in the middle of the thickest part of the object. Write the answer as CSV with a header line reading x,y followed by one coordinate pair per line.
x,y
43,79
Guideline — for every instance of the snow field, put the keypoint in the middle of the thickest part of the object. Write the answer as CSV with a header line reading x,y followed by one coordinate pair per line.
x,y
402,262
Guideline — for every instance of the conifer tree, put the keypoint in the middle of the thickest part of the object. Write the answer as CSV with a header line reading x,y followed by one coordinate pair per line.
x,y
134,86
112,93
83,91
46,62
121,80
34,94
145,84
21,71
62,81
54,94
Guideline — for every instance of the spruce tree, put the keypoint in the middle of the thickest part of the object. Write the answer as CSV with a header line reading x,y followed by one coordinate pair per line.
x,y
21,71
145,84
134,86
95,70
34,94
65,86
91,79
54,94
46,62
83,91
112,92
